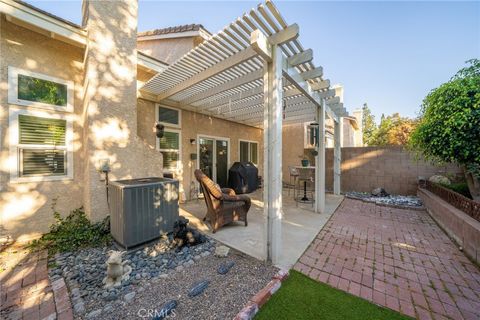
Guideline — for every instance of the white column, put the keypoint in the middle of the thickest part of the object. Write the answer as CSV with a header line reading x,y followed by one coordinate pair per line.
x,y
272,193
337,155
320,161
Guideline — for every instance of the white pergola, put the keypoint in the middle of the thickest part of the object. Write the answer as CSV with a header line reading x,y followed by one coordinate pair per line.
x,y
256,72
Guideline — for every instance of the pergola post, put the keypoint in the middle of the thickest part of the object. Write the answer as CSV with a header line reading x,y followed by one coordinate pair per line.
x,y
272,168
337,156
320,161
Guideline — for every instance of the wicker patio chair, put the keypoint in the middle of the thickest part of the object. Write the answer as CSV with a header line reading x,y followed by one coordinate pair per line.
x,y
223,205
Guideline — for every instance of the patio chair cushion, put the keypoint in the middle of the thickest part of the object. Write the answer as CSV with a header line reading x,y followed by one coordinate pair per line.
x,y
223,205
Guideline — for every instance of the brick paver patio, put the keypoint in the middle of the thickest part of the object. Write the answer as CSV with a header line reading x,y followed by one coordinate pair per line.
x,y
396,258
26,291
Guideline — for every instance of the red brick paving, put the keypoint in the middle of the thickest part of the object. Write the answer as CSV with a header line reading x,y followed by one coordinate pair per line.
x,y
26,292
397,258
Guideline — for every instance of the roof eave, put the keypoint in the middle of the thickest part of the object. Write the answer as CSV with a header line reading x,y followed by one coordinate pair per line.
x,y
32,18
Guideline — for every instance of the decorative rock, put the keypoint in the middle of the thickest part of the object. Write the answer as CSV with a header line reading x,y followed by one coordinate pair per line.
x,y
198,288
222,251
108,308
394,200
94,314
166,310
379,192
129,297
179,268
225,267
85,269
79,308
439,179
111,296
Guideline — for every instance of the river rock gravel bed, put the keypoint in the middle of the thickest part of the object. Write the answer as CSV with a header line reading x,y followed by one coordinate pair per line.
x,y
85,270
391,200
225,296
159,275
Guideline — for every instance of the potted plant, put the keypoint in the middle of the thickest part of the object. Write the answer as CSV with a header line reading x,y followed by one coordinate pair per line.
x,y
305,161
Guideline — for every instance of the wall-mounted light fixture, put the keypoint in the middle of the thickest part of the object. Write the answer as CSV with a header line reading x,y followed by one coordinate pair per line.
x,y
193,141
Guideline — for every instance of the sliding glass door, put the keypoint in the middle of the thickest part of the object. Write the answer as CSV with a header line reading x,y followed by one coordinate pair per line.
x,y
213,158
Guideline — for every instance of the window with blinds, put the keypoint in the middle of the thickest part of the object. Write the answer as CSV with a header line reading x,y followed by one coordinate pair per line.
x,y
41,146
249,152
169,146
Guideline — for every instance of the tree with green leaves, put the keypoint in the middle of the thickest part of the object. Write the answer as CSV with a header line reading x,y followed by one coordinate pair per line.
x,y
368,125
393,130
449,128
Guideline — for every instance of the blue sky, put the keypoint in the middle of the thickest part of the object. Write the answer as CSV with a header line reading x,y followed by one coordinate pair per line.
x,y
388,54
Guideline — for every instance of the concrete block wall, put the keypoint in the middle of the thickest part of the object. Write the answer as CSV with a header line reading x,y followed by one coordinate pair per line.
x,y
393,168
457,224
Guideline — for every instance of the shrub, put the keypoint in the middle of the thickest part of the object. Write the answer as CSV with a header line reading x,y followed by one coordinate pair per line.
x,y
449,129
461,187
73,232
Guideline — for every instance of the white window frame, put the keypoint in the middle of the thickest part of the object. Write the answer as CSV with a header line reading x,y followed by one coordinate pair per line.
x,y
179,162
167,124
306,141
249,150
13,90
15,146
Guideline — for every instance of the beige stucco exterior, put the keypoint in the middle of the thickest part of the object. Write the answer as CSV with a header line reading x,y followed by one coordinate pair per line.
x,y
110,103
170,49
109,122
194,125
104,117
25,208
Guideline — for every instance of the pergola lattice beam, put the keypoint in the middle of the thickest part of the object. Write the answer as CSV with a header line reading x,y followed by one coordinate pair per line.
x,y
223,65
229,101
250,77
223,76
246,54
300,58
296,79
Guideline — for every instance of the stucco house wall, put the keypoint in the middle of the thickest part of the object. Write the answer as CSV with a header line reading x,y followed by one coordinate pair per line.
x,y
192,125
348,134
104,117
167,50
25,208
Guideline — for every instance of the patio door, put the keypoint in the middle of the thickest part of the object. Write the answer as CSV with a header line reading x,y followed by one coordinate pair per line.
x,y
213,158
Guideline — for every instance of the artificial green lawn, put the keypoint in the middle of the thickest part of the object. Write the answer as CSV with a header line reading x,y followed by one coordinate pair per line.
x,y
303,298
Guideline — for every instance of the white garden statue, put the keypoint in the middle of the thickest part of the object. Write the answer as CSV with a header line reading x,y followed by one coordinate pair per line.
x,y
117,271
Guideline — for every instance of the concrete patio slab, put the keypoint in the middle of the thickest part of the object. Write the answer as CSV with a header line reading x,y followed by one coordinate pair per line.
x,y
300,225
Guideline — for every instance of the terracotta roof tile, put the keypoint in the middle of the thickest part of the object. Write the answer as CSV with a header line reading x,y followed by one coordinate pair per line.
x,y
183,28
